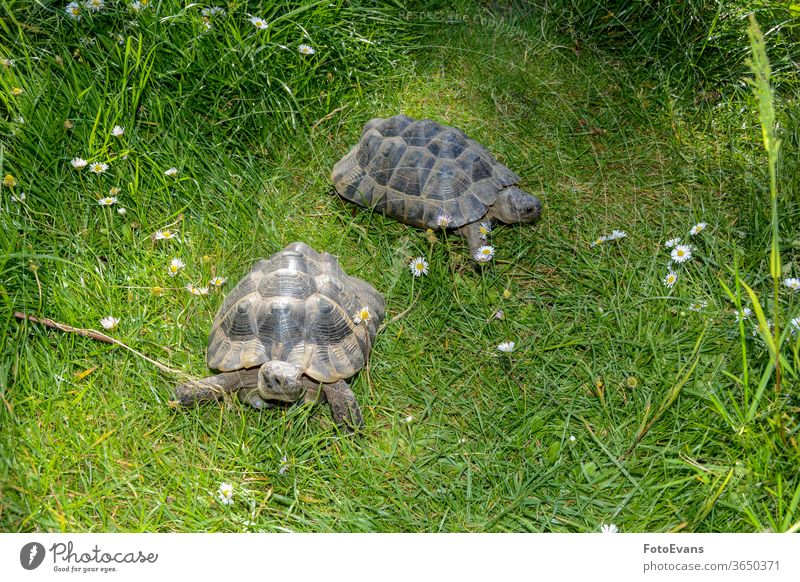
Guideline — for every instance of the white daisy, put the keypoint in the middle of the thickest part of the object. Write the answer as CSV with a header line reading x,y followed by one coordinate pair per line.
x,y
74,10
165,234
670,278
745,314
18,198
113,191
107,201
109,322
213,11
419,267
792,283
506,347
572,438
599,240
175,266
484,254
484,229
98,167
171,172
225,493
306,50
681,253
94,5
121,211
794,325
78,163
698,228
409,418
197,290
698,305
118,131
617,234
218,281
259,23
673,242
609,528
443,220
499,314
284,465
362,314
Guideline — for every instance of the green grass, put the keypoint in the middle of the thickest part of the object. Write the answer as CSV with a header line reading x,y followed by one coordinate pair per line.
x,y
458,436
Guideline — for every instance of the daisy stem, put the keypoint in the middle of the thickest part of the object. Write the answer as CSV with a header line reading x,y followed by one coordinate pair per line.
x,y
107,219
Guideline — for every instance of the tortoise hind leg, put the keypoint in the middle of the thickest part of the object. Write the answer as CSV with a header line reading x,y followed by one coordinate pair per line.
x,y
344,408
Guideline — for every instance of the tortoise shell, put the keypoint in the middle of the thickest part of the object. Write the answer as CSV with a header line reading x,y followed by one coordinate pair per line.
x,y
415,170
296,306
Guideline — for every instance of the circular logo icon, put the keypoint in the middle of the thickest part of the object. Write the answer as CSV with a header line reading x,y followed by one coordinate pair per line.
x,y
31,555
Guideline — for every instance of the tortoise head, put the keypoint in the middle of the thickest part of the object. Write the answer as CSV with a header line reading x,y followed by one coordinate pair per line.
x,y
279,380
515,205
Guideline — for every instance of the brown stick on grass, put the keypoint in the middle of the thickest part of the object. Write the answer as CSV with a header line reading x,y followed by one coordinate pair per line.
x,y
96,335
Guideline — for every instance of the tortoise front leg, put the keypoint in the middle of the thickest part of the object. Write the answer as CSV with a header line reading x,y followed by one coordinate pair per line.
x,y
473,236
213,387
344,407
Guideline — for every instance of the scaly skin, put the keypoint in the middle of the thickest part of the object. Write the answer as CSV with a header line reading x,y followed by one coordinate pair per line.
x,y
344,407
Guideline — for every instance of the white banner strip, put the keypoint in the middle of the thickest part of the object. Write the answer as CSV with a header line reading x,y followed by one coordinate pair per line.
x,y
353,557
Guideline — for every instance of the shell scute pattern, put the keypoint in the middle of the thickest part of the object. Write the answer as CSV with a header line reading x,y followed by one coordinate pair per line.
x,y
297,307
415,170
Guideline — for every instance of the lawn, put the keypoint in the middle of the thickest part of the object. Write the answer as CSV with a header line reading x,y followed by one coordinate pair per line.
x,y
624,401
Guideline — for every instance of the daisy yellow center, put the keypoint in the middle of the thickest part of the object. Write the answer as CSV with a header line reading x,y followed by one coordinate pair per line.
x,y
173,268
671,278
420,266
364,314
485,252
681,252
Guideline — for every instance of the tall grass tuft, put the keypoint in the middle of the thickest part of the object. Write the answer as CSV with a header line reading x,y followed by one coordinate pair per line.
x,y
770,331
760,84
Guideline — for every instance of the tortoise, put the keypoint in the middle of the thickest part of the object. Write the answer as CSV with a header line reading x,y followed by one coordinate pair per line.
x,y
295,327
432,176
